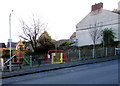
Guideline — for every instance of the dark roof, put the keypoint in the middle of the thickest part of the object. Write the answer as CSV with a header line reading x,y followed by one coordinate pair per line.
x,y
13,44
2,45
59,42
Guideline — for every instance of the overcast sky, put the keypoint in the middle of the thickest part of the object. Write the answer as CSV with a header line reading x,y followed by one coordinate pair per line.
x,y
61,16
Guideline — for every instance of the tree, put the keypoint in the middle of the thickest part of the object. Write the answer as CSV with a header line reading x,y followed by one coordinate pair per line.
x,y
108,38
96,34
32,31
45,42
65,45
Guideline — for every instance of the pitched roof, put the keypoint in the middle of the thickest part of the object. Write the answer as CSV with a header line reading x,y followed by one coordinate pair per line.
x,y
89,17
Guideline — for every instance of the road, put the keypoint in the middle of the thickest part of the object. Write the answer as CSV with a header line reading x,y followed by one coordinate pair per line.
x,y
98,73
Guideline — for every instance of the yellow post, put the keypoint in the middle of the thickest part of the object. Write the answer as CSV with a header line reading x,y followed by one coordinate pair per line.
x,y
53,58
61,57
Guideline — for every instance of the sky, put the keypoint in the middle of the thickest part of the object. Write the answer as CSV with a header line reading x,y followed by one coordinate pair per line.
x,y
60,16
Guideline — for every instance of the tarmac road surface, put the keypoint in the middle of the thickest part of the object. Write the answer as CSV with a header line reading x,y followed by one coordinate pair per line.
x,y
98,73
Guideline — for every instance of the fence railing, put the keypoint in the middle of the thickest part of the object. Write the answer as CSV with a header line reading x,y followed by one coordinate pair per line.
x,y
81,54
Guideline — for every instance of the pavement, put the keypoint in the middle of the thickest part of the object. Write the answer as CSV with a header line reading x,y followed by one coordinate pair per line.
x,y
49,67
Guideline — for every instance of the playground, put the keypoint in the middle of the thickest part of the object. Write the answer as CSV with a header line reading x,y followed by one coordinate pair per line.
x,y
20,58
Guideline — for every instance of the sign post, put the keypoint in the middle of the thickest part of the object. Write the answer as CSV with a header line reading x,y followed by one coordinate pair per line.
x,y
10,40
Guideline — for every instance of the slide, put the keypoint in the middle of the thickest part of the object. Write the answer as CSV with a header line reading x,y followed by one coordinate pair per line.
x,y
26,59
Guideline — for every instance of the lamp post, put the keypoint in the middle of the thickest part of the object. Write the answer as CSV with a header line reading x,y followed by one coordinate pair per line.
x,y
10,40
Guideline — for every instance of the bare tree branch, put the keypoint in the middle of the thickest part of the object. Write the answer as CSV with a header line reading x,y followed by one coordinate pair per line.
x,y
32,31
95,33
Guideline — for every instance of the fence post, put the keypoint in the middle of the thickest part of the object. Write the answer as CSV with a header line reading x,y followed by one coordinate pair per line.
x,y
2,64
68,54
115,51
79,54
30,61
93,53
106,51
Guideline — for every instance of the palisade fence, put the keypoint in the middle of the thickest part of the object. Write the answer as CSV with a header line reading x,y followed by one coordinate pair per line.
x,y
75,54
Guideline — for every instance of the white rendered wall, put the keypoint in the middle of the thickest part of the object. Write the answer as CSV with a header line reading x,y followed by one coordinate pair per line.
x,y
103,18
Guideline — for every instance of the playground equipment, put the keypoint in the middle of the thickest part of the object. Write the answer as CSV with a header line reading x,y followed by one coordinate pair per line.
x,y
20,53
56,56
9,59
17,55
27,59
17,52
15,64
20,50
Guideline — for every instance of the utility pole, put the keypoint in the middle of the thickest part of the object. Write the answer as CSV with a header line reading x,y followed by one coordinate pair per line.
x,y
10,40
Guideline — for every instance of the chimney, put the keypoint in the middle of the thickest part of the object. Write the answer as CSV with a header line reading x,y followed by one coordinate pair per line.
x,y
97,6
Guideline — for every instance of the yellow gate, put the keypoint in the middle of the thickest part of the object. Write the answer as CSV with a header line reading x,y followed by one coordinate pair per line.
x,y
57,57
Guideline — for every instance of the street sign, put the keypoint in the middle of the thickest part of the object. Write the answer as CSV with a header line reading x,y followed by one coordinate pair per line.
x,y
9,40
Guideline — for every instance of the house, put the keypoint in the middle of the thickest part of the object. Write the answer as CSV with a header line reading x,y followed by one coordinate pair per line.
x,y
98,18
2,45
13,44
73,37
